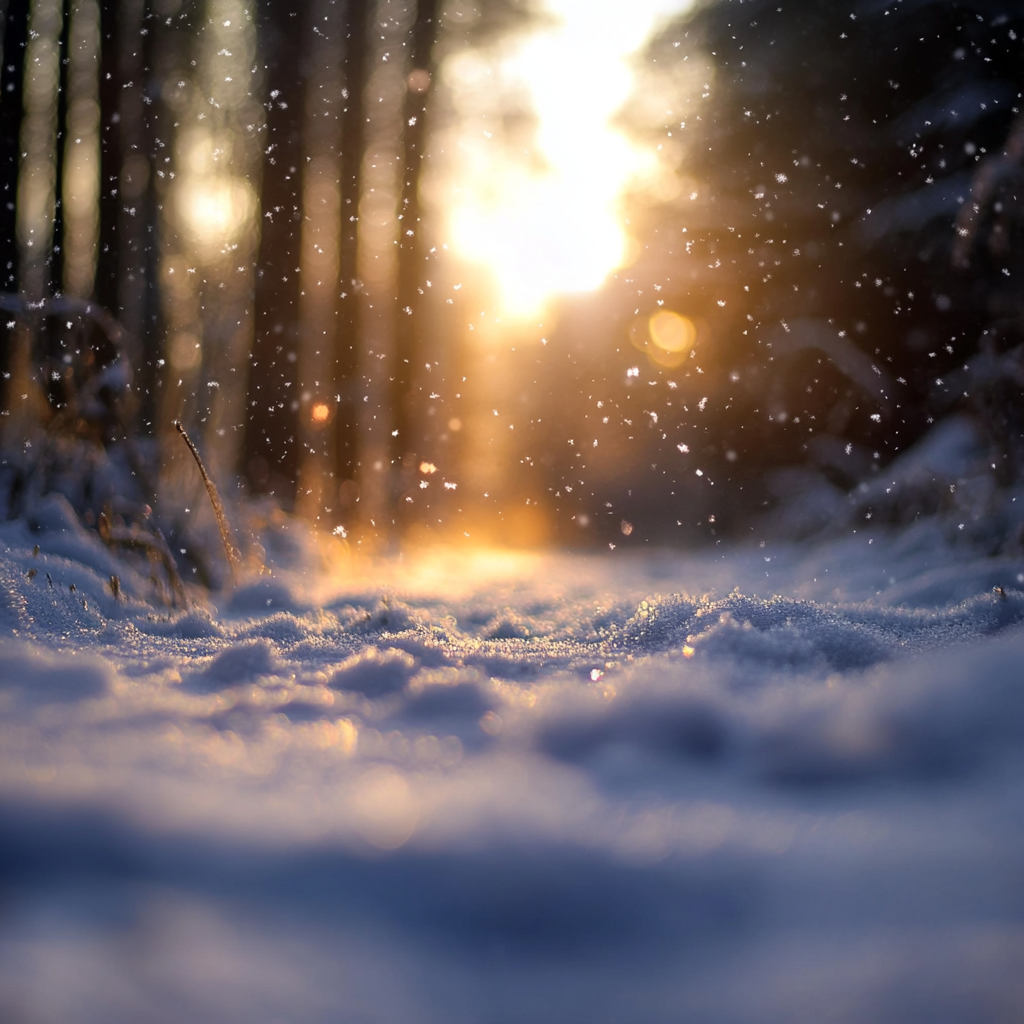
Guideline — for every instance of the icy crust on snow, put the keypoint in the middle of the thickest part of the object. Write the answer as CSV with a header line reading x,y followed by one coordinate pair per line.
x,y
473,791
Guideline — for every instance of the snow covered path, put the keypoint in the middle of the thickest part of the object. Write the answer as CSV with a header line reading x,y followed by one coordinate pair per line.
x,y
479,787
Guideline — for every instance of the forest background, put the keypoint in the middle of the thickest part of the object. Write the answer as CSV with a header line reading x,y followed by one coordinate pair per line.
x,y
237,215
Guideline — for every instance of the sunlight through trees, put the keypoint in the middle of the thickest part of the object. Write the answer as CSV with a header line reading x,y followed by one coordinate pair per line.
x,y
681,267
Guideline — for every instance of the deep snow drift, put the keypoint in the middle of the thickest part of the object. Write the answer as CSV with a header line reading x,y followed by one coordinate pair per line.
x,y
477,787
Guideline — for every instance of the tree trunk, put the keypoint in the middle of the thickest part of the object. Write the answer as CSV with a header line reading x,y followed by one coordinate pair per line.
x,y
36,208
81,182
319,261
346,366
382,176
411,325
15,29
271,448
124,276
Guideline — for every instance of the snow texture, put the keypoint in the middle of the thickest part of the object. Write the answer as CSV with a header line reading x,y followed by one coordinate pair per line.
x,y
478,787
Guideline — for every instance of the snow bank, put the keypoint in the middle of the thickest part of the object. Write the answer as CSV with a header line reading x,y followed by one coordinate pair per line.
x,y
507,790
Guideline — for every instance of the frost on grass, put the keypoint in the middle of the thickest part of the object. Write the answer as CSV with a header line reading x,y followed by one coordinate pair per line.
x,y
574,789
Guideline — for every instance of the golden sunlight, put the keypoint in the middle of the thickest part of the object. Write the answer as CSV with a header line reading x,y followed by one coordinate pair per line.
x,y
542,213
214,212
214,207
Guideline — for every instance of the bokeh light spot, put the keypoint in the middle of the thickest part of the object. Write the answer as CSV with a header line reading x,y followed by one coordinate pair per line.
x,y
672,332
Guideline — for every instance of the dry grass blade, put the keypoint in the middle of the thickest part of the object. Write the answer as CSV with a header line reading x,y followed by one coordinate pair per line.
x,y
218,508
155,546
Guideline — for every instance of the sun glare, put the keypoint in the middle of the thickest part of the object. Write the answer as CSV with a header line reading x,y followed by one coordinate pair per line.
x,y
215,211
551,224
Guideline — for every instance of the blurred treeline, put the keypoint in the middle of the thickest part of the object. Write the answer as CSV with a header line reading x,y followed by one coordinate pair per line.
x,y
243,185
845,230
236,182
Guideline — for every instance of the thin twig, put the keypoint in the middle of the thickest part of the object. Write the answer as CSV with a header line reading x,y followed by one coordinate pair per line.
x,y
218,508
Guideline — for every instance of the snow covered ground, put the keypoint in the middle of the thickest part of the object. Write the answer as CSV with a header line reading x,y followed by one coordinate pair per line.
x,y
773,785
